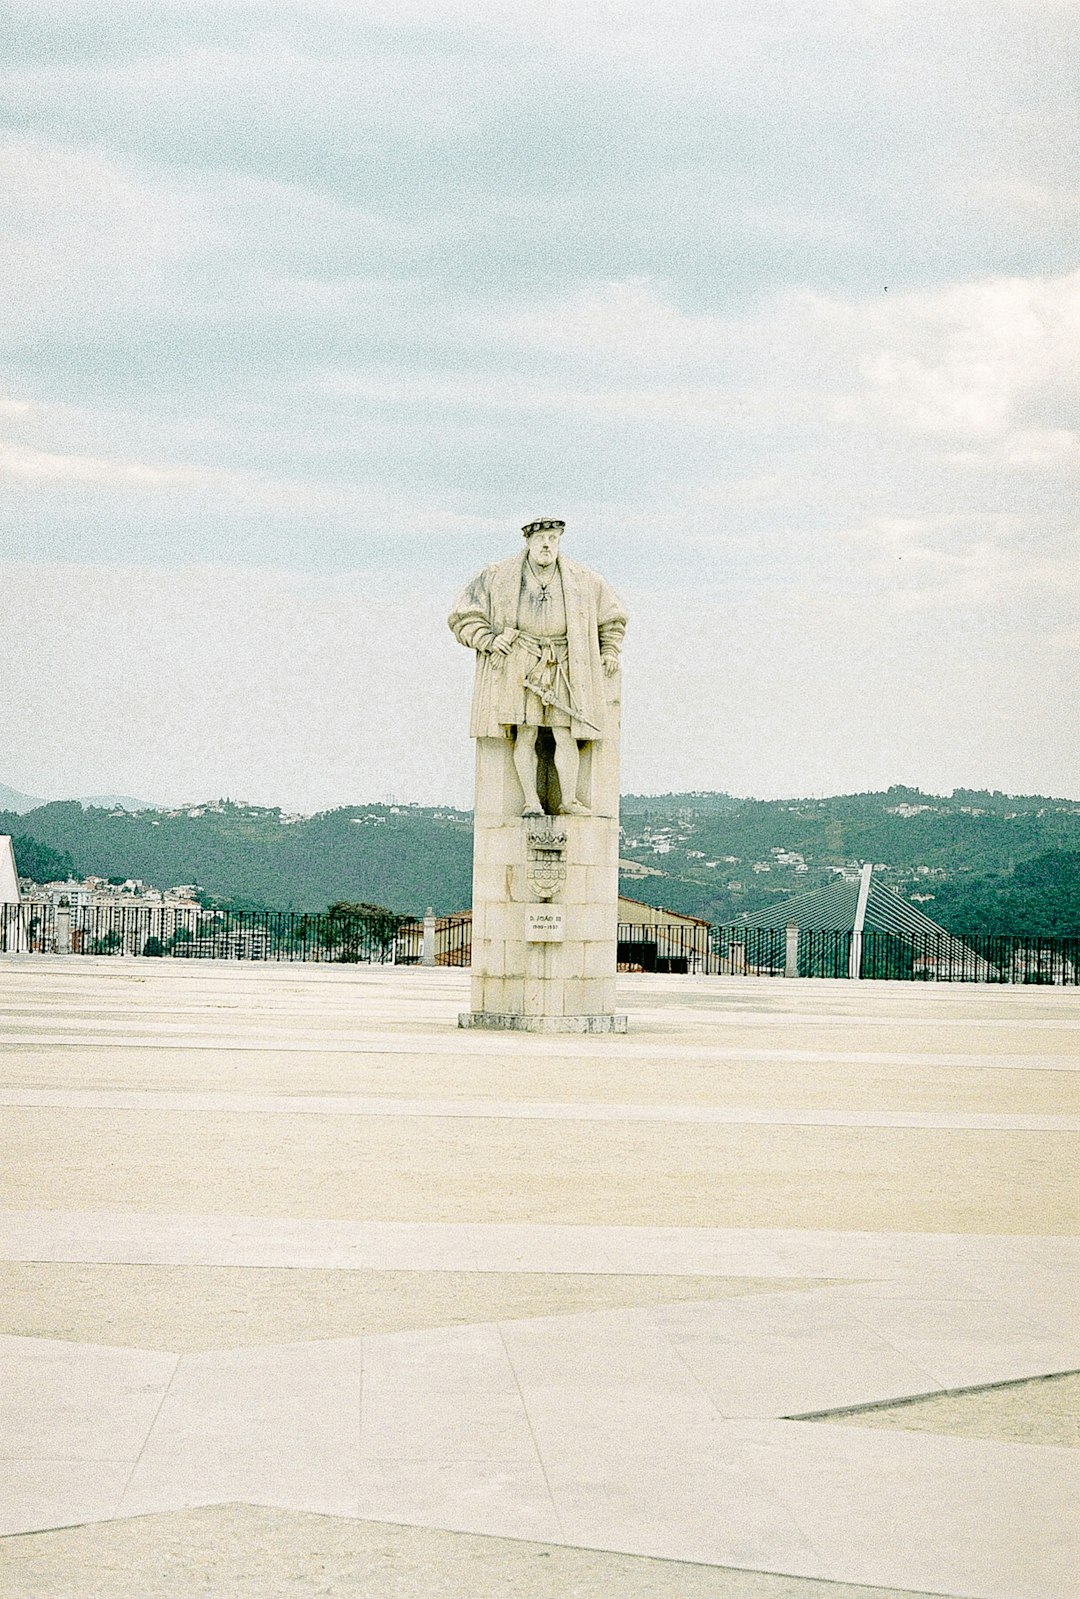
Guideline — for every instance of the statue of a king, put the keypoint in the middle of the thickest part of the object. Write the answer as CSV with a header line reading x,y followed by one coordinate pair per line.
x,y
546,631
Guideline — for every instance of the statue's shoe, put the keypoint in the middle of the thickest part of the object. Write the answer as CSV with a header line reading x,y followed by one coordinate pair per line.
x,y
576,809
533,810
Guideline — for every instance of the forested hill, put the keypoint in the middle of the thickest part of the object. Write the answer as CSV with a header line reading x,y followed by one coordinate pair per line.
x,y
404,857
975,861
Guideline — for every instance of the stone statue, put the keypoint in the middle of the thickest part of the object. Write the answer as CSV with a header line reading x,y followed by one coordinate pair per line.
x,y
546,632
545,721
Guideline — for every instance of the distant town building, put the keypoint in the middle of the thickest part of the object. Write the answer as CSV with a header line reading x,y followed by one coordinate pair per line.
x,y
652,939
110,917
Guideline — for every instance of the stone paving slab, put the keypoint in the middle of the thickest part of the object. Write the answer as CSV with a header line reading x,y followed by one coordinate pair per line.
x,y
952,1515
517,1110
659,1433
173,1239
192,1308
78,1402
118,1038
251,1552
633,1431
400,1168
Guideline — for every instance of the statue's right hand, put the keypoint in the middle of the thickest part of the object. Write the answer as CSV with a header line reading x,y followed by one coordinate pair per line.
x,y
503,644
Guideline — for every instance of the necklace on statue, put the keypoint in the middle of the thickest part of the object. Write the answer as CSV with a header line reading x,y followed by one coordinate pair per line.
x,y
543,587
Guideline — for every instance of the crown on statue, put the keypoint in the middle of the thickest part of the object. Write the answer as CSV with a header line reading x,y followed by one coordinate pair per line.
x,y
541,526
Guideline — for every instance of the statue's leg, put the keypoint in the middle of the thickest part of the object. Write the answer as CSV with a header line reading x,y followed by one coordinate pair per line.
x,y
525,766
567,762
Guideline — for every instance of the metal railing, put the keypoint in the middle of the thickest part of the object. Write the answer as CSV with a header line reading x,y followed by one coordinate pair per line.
x,y
763,952
663,947
181,933
767,952
972,957
928,957
453,941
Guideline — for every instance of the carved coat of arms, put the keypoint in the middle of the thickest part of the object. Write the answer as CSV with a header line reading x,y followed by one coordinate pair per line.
x,y
545,867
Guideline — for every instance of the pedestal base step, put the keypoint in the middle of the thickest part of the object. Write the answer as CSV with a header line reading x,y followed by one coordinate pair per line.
x,y
512,1022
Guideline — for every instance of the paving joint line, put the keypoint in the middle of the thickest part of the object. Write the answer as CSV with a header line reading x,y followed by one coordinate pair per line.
x,y
933,1393
532,1433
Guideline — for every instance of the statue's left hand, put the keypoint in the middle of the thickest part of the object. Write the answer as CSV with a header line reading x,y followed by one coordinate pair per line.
x,y
610,664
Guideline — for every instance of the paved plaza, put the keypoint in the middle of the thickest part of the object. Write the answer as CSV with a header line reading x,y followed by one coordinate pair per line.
x,y
307,1292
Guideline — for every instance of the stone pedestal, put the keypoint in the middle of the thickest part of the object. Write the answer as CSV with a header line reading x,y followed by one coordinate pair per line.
x,y
545,897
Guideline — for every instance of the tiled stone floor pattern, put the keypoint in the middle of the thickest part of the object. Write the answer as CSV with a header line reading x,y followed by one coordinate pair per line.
x,y
668,1431
516,1110
1040,1410
191,1308
249,1552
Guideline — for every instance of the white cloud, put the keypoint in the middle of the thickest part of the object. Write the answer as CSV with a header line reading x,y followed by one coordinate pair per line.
x,y
945,564
971,360
85,237
354,291
963,359
39,466
1043,447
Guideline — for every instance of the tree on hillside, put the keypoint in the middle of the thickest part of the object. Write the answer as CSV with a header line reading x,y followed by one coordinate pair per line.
x,y
1040,897
357,932
708,855
40,862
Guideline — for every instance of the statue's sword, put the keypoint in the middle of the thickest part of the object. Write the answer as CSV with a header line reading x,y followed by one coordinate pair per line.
x,y
544,692
547,696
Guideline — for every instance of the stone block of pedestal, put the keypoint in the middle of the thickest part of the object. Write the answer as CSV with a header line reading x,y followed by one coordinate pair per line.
x,y
545,901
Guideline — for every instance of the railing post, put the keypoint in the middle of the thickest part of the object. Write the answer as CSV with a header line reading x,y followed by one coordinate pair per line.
x,y
427,953
63,927
791,950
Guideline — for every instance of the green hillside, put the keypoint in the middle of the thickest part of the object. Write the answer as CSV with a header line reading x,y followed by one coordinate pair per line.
x,y
1041,895
41,863
966,859
250,856
975,861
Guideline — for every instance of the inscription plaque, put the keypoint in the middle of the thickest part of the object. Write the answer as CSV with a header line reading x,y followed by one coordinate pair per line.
x,y
544,924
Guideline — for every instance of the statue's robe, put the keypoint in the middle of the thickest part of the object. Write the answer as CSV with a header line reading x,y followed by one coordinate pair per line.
x,y
595,622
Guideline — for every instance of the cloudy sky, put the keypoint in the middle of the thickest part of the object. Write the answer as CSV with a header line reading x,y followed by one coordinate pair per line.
x,y
305,307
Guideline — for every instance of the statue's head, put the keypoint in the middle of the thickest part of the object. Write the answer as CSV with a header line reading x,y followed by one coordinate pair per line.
x,y
543,539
